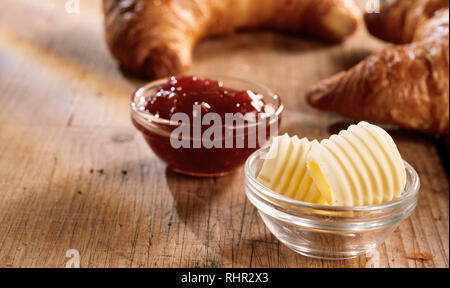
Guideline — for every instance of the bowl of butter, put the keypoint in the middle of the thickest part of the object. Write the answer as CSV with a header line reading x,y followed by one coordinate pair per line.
x,y
333,199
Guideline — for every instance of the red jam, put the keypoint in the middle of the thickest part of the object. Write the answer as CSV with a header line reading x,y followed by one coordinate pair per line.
x,y
180,95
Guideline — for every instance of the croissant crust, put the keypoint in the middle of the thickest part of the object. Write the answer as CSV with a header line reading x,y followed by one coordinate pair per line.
x,y
405,85
155,38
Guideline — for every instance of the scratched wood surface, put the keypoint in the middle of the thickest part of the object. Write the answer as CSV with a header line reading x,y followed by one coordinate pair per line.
x,y
75,174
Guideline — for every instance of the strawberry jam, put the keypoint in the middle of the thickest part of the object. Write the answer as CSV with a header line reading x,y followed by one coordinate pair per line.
x,y
201,127
180,95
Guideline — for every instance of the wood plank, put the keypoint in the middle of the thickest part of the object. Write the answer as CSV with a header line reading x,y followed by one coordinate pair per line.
x,y
75,174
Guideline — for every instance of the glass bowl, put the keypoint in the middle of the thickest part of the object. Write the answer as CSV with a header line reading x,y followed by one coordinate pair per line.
x,y
203,162
327,232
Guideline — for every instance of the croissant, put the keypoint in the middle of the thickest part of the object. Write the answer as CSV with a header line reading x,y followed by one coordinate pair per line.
x,y
155,38
406,85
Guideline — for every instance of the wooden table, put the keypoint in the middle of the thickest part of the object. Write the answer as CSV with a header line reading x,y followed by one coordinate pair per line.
x,y
75,174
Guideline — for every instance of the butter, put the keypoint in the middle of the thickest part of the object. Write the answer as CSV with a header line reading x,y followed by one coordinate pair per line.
x,y
285,170
359,166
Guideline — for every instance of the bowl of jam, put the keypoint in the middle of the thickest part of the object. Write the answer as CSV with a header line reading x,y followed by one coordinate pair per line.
x,y
205,125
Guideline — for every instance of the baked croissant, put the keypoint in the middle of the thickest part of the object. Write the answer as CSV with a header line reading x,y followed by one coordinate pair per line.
x,y
405,85
155,38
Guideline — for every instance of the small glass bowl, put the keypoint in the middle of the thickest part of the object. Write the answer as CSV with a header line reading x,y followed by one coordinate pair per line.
x,y
202,162
327,232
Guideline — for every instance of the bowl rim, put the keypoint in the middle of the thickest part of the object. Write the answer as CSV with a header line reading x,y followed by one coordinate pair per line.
x,y
410,192
143,116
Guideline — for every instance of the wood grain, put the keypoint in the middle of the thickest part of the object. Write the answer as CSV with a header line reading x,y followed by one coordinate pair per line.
x,y
75,174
